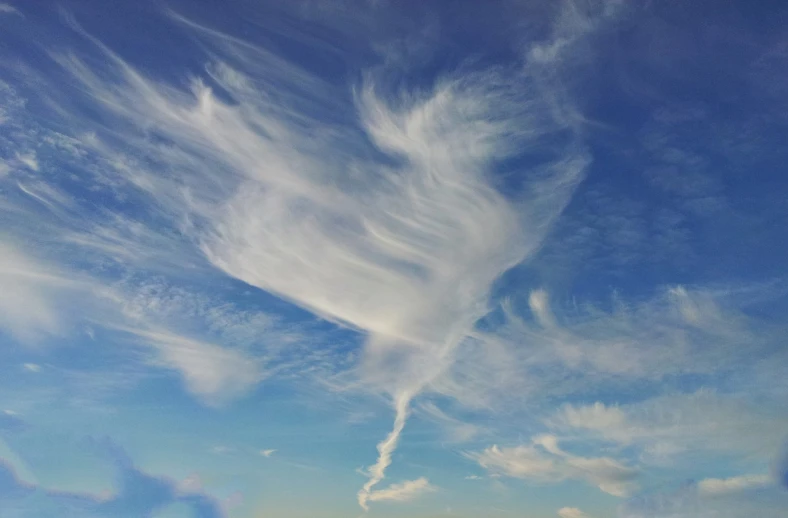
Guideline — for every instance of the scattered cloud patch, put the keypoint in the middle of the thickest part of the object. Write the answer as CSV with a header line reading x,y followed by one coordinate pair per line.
x,y
29,160
544,461
571,512
666,426
402,492
213,373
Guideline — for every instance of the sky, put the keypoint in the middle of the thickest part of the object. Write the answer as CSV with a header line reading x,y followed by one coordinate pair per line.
x,y
396,259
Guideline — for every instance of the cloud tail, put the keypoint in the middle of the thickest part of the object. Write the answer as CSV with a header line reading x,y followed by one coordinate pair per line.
x,y
386,448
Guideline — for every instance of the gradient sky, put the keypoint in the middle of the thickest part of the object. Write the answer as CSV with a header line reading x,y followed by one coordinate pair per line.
x,y
343,258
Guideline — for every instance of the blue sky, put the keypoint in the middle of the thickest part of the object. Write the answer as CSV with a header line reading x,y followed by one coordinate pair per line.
x,y
402,259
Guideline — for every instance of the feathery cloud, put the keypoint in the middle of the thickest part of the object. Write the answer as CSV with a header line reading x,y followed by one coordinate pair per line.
x,y
8,9
544,461
666,426
402,492
405,240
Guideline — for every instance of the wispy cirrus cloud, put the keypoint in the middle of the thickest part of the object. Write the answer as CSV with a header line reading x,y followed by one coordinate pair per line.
x,y
456,430
544,348
389,209
544,461
401,212
8,9
668,426
211,372
402,492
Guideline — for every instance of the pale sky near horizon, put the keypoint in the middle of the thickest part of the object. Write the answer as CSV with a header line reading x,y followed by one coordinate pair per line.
x,y
344,258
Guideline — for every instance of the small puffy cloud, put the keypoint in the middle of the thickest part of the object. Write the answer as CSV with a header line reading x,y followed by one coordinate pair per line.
x,y
544,461
571,512
473,477
403,492
267,453
32,367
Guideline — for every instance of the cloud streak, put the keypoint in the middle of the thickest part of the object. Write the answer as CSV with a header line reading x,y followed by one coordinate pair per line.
x,y
668,426
402,492
544,461
712,487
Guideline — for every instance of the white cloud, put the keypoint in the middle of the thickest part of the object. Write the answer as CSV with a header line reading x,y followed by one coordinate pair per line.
x,y
544,461
29,160
553,353
670,333
571,512
405,241
8,9
403,492
407,255
385,447
29,308
666,426
712,487
32,367
267,453
213,373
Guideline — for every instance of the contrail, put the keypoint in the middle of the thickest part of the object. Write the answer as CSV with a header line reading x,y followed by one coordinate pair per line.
x,y
386,447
